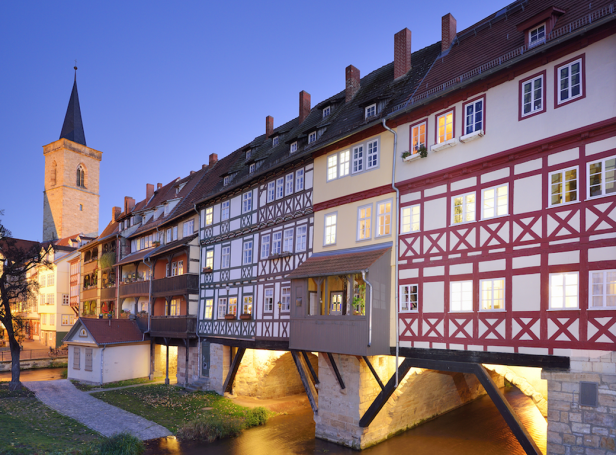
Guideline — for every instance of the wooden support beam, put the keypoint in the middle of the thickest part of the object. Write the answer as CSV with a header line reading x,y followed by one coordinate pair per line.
x,y
237,359
309,365
376,376
336,372
305,381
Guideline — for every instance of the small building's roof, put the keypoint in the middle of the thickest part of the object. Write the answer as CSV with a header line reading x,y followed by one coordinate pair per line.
x,y
138,256
171,245
108,331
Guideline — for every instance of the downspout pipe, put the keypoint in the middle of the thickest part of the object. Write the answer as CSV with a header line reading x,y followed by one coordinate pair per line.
x,y
102,362
363,275
396,241
199,353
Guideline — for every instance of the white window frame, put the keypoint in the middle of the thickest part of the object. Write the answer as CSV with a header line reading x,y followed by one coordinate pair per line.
x,y
301,233
225,210
491,299
464,209
247,301
265,246
560,78
564,275
226,180
293,147
373,158
537,41
412,213
252,168
248,154
268,300
407,290
378,217
329,230
225,257
533,110
472,117
247,202
275,141
277,242
247,252
279,188
344,163
271,191
326,111
440,139
174,268
66,319
222,305
208,308
358,155
287,241
604,291
463,302
312,137
188,227
175,233
366,219
65,299
285,299
299,180
563,173
332,167
588,185
232,305
209,216
288,184
209,258
370,111
496,205
416,131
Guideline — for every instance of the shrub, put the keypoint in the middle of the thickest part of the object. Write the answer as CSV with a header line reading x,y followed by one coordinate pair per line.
x,y
64,373
122,444
257,416
210,429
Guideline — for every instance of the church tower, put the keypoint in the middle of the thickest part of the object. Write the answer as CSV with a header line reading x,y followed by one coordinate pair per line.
x,y
72,172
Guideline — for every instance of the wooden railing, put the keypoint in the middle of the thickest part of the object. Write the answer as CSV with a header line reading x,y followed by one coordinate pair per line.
x,y
173,326
176,285
136,288
108,293
89,294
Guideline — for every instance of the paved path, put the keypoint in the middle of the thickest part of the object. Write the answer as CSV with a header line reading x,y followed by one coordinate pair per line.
x,y
104,418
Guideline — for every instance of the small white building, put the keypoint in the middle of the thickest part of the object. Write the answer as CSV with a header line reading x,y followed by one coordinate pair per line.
x,y
107,350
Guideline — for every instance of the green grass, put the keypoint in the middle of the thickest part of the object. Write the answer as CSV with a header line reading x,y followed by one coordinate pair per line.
x,y
87,387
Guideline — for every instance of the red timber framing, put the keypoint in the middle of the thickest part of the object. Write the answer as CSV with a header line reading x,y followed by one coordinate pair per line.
x,y
527,238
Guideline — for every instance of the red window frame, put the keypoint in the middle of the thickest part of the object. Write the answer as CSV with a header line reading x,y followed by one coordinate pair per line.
x,y
439,114
477,98
557,81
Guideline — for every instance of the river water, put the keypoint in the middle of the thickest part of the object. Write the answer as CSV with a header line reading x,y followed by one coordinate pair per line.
x,y
476,428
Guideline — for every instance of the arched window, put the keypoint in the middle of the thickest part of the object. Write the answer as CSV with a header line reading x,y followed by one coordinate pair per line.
x,y
81,177
52,174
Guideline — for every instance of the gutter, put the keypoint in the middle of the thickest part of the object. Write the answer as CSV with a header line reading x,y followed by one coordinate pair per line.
x,y
363,275
199,353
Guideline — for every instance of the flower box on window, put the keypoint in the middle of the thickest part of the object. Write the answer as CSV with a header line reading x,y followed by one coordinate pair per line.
x,y
207,269
229,317
471,136
246,317
443,145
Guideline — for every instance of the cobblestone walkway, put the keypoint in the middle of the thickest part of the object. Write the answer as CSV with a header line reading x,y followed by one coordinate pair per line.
x,y
104,418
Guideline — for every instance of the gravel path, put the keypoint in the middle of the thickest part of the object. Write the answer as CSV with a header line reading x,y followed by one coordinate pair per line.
x,y
104,418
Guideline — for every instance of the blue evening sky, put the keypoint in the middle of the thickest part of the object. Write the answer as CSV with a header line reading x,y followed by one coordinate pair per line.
x,y
164,84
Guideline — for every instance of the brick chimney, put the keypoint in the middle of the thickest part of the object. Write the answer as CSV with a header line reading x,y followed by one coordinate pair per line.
x,y
213,158
402,53
129,204
159,186
269,126
204,166
352,82
149,191
304,105
448,31
115,213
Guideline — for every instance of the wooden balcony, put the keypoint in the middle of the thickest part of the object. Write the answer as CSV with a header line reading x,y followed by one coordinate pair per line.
x,y
135,289
173,326
108,293
176,285
89,294
88,267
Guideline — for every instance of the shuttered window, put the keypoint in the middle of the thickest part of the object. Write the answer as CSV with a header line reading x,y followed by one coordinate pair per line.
x,y
88,359
76,358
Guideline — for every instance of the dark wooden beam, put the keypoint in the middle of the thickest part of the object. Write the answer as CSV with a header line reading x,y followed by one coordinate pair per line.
x,y
309,365
228,385
382,397
305,381
376,376
271,345
336,372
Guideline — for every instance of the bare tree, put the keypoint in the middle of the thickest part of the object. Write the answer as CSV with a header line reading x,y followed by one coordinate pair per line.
x,y
17,260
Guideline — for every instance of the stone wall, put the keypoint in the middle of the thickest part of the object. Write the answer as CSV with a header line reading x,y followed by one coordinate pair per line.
x,y
193,364
576,429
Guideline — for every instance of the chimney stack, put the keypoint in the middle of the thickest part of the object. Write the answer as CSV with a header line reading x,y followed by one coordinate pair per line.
x,y
129,204
448,31
269,126
402,53
213,158
304,105
204,166
115,213
149,191
159,186
352,82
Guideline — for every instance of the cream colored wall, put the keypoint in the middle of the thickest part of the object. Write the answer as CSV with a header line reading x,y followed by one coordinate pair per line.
x,y
503,129
126,362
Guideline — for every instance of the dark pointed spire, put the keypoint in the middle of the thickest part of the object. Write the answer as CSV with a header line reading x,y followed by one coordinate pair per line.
x,y
72,129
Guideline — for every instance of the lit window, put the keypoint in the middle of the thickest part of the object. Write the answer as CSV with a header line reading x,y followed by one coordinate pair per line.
x,y
247,305
418,137
495,202
188,228
364,222
225,257
300,238
536,35
209,218
265,246
326,111
383,218
563,186
174,309
252,168
358,159
299,180
332,167
445,127
275,141
288,185
285,301
461,296
233,306
408,298
570,81
247,252
312,137
209,259
225,180
602,177
464,208
493,294
603,289
336,303
287,246
532,96
344,163
373,154
371,111
277,243
280,188
268,305
271,191
222,307
473,117
330,229
208,309
410,219
174,268
247,202
293,147
563,290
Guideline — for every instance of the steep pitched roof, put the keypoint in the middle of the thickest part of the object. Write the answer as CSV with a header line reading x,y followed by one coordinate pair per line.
x,y
109,331
72,128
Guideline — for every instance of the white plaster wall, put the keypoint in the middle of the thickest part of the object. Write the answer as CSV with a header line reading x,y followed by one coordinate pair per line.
x,y
125,362
526,292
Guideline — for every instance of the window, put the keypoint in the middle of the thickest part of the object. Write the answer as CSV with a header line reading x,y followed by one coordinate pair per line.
x,y
383,218
271,191
408,297
495,202
563,290
602,289
364,222
88,365
602,177
169,233
232,305
300,238
288,185
208,309
247,305
493,294
209,216
175,232
247,252
277,243
188,228
226,180
461,296
536,35
326,111
299,180
336,303
358,159
330,229
225,257
532,96
332,167
293,148
52,174
285,301
275,141
65,299
265,246
563,186
81,207
224,210
418,137
222,307
373,154
247,202
51,299
473,117
287,246
248,154
173,307
344,163
269,301
44,319
252,168
174,268
76,358
65,319
444,124
464,208
50,279
570,81
312,137
209,259
371,110
410,219
180,267
81,177
280,188
52,320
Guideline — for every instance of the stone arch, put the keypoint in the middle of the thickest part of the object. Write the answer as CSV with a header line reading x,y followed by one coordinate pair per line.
x,y
53,174
518,380
81,174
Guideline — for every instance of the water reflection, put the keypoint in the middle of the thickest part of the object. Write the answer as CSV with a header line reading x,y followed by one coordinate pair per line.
x,y
476,428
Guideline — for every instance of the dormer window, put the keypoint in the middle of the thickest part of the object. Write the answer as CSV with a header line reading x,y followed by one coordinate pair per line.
x,y
275,141
225,181
312,137
248,154
326,111
536,35
371,111
252,168
293,147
